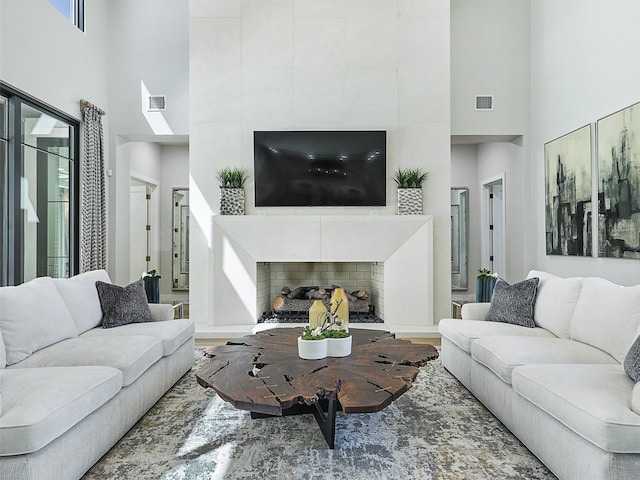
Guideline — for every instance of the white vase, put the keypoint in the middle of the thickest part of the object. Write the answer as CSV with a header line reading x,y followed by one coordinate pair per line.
x,y
339,347
312,349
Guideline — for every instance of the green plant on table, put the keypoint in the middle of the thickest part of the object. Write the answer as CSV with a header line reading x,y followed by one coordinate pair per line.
x,y
326,329
151,274
410,177
232,177
486,273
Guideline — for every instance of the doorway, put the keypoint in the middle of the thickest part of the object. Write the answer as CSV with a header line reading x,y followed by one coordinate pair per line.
x,y
143,252
493,215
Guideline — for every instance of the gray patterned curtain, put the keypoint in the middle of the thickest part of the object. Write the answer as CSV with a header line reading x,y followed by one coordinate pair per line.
x,y
93,217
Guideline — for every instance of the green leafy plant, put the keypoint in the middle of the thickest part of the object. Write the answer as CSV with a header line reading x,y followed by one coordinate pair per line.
x,y
151,274
232,177
327,328
410,177
485,273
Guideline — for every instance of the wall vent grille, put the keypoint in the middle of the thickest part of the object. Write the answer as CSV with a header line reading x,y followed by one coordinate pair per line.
x,y
484,102
157,103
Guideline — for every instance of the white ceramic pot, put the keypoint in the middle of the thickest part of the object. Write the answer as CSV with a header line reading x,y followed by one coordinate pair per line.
x,y
339,347
312,349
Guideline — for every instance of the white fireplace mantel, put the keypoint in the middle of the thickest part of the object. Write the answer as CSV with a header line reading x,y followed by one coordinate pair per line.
x,y
403,243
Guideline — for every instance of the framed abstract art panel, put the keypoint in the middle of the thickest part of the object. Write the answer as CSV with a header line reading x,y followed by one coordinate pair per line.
x,y
568,202
618,138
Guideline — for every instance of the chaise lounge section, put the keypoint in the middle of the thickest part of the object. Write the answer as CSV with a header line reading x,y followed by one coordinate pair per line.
x,y
70,389
560,386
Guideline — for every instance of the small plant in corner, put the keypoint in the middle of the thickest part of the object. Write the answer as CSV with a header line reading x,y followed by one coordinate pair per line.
x,y
232,177
151,274
486,273
410,177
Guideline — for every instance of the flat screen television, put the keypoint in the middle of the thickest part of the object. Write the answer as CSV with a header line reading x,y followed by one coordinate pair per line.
x,y
320,168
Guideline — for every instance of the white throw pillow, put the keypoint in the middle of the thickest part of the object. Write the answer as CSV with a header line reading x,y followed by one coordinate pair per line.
x,y
81,297
33,316
635,398
555,302
607,316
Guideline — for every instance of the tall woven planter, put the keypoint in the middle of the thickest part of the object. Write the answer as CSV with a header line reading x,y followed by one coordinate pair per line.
x,y
409,201
232,201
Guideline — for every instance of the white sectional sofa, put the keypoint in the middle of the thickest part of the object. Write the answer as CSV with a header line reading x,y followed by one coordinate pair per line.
x,y
70,389
559,387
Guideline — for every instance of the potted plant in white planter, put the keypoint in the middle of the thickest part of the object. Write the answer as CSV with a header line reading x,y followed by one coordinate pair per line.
x,y
409,181
329,339
232,182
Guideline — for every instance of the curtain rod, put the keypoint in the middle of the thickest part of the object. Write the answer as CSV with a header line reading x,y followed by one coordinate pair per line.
x,y
84,104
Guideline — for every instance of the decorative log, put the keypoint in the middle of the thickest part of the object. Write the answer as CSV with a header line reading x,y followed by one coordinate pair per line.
x,y
301,292
317,294
278,302
361,294
285,291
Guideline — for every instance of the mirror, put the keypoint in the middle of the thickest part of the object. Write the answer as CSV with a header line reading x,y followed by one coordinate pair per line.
x,y
180,270
459,237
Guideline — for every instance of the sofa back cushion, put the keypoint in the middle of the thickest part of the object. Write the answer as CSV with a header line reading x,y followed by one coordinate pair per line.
x,y
3,352
607,316
33,316
80,295
555,302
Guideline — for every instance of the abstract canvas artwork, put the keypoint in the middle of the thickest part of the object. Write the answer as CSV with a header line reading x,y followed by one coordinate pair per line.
x,y
619,184
568,208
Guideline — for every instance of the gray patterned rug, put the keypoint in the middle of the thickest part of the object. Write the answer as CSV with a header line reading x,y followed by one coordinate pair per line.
x,y
437,430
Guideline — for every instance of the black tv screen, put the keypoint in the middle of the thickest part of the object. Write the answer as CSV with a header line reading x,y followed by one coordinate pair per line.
x,y
320,168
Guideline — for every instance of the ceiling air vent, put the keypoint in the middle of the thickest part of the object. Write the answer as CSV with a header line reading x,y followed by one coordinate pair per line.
x,y
484,102
157,103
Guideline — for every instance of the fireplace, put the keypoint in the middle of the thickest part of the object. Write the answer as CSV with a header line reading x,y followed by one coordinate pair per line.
x,y
352,276
395,252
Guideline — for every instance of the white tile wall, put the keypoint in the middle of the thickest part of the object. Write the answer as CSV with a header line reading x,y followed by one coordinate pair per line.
x,y
372,33
320,9
267,34
215,8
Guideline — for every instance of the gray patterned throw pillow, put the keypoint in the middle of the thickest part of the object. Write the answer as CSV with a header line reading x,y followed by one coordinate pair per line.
x,y
632,361
123,305
514,303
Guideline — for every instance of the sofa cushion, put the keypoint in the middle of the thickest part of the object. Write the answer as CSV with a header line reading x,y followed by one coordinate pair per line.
x,y
555,302
81,297
40,404
635,398
591,400
131,354
513,303
3,352
501,355
123,305
632,360
33,316
463,332
607,316
172,333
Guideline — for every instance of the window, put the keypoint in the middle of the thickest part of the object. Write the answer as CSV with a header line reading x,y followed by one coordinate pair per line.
x,y
39,196
72,9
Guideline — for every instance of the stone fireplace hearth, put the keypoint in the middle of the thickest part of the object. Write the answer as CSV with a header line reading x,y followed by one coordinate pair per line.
x,y
397,251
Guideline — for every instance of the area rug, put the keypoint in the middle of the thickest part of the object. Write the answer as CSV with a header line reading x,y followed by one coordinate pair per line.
x,y
437,430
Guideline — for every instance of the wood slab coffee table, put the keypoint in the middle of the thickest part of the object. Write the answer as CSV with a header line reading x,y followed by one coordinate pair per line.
x,y
262,373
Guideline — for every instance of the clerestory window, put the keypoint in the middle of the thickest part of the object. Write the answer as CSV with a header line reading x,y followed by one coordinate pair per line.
x,y
72,9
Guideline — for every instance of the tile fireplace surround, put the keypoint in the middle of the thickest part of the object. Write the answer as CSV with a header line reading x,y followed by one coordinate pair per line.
x,y
403,244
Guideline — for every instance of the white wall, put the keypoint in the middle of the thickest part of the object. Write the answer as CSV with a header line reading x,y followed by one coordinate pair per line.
x,y
490,56
303,64
44,55
583,67
495,159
